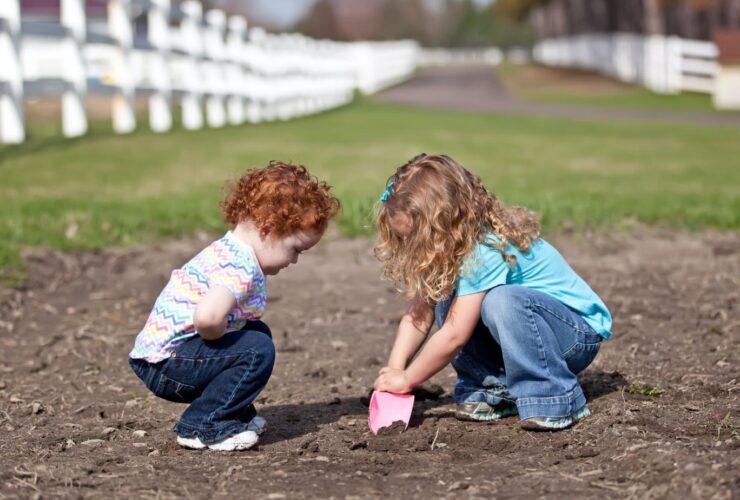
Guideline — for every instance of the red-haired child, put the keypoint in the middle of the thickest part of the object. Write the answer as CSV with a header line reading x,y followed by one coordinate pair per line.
x,y
204,343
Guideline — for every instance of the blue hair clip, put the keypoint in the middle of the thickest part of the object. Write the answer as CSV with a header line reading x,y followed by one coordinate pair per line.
x,y
388,190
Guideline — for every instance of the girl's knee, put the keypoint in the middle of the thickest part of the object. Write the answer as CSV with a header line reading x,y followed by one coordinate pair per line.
x,y
503,304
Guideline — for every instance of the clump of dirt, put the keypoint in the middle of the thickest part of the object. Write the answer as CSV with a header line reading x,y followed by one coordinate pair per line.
x,y
395,428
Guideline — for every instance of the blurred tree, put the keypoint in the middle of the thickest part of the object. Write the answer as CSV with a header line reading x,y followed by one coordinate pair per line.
x,y
487,27
697,19
320,22
459,23
400,20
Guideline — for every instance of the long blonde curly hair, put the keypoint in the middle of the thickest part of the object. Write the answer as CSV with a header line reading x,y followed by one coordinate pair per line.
x,y
450,210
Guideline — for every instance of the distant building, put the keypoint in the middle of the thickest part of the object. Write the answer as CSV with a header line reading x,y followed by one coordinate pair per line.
x,y
693,19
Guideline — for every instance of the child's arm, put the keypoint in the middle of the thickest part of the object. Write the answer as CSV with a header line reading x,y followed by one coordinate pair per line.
x,y
440,350
212,311
412,331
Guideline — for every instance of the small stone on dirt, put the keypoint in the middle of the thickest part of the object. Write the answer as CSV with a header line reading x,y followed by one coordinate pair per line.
x,y
139,434
93,442
338,344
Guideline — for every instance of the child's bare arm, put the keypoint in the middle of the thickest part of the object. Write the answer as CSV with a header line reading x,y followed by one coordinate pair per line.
x,y
412,331
212,311
441,348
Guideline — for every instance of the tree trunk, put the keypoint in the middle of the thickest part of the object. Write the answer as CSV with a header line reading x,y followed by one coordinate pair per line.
x,y
652,18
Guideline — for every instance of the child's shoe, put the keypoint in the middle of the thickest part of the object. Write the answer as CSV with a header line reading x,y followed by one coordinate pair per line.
x,y
242,441
554,423
483,412
191,443
237,442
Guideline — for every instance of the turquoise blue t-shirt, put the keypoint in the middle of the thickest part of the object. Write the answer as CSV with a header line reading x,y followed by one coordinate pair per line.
x,y
541,268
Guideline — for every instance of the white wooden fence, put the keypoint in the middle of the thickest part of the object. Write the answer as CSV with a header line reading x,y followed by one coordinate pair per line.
x,y
219,71
488,56
663,64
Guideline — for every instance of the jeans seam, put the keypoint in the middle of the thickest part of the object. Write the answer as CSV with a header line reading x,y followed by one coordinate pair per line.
x,y
209,419
234,355
540,344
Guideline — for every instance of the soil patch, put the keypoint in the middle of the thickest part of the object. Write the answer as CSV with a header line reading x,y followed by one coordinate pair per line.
x,y
76,422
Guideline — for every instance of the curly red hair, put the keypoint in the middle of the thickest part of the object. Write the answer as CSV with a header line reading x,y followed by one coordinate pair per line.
x,y
280,199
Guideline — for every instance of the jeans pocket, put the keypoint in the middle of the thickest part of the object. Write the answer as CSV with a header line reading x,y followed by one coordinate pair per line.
x,y
175,391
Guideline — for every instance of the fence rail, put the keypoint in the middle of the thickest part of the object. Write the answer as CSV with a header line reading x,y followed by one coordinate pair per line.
x,y
664,64
217,69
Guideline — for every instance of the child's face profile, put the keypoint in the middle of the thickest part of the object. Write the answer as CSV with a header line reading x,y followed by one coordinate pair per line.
x,y
277,253
401,224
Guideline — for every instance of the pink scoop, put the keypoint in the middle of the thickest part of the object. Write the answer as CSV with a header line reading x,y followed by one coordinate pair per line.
x,y
386,408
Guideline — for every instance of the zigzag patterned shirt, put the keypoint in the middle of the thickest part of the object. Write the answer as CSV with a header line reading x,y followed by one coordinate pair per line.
x,y
228,262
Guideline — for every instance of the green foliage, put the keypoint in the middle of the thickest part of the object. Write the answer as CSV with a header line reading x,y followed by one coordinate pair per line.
x,y
726,424
357,216
644,389
482,28
105,189
516,9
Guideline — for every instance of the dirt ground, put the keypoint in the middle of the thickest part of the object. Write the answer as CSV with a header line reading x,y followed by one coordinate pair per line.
x,y
77,423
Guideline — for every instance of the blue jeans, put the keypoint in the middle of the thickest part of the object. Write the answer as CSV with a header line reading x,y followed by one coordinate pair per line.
x,y
220,379
527,349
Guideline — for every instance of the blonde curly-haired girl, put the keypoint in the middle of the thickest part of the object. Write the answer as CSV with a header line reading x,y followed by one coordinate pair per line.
x,y
515,320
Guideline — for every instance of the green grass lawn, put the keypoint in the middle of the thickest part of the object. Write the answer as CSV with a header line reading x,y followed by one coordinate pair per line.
x,y
589,89
105,189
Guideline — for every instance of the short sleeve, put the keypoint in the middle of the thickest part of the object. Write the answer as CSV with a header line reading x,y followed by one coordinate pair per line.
x,y
484,269
236,277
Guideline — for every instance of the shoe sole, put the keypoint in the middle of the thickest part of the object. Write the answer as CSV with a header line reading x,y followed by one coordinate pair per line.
x,y
191,446
529,425
487,418
241,447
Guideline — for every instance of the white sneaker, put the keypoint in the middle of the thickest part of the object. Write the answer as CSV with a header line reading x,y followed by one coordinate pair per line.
x,y
191,443
242,441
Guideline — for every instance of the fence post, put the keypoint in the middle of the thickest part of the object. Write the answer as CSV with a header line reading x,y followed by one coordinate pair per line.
x,y
119,25
235,48
673,64
74,114
12,121
215,67
190,31
257,85
160,111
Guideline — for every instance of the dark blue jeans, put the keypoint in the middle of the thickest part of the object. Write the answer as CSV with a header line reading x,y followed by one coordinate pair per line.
x,y
220,379
527,349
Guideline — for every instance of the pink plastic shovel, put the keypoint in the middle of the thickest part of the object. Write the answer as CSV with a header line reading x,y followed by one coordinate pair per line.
x,y
386,408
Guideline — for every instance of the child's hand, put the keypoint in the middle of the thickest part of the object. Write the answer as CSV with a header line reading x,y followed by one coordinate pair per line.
x,y
392,380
